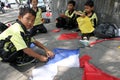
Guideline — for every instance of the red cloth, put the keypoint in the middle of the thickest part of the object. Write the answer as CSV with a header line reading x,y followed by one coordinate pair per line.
x,y
93,73
68,36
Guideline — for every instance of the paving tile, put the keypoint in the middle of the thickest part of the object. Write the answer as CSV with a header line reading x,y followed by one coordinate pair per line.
x,y
66,73
105,55
9,73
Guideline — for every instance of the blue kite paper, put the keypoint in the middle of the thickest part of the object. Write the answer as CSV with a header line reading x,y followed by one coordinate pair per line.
x,y
61,54
32,45
63,57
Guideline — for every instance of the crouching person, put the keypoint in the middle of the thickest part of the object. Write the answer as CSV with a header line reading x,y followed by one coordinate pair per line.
x,y
15,41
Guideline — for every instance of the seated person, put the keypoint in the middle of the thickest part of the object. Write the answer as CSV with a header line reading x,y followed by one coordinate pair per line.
x,y
67,20
38,24
87,20
15,41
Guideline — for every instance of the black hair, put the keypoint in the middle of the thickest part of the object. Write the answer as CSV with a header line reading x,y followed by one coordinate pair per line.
x,y
72,2
89,3
25,10
31,1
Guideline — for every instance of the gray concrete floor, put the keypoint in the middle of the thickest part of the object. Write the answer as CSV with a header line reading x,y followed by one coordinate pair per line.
x,y
105,55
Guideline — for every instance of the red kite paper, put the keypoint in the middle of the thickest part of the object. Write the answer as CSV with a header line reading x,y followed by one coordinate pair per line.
x,y
48,14
101,40
56,30
93,73
69,36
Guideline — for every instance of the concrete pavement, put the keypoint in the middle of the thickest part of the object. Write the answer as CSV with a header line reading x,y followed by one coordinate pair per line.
x,y
105,55
9,15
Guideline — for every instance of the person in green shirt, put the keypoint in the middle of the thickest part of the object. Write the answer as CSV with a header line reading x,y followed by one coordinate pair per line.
x,y
89,17
68,19
18,40
38,24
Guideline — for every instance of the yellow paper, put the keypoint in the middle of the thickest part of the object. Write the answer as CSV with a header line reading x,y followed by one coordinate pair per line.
x,y
85,25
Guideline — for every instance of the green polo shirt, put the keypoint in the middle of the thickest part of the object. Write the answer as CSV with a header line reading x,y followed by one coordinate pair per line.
x,y
38,17
16,38
94,19
69,15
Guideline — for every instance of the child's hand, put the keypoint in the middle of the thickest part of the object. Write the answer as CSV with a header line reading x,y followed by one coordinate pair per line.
x,y
49,53
43,58
83,15
62,15
80,13
77,13
43,20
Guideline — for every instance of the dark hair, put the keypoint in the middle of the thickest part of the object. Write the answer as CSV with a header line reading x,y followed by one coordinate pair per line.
x,y
31,1
89,3
72,2
25,10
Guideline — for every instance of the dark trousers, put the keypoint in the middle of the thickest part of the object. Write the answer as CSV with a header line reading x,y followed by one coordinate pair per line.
x,y
61,22
2,27
88,35
19,56
67,23
2,9
38,28
11,57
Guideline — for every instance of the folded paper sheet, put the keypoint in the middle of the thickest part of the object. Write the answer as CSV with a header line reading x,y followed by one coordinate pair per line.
x,y
69,36
70,58
93,73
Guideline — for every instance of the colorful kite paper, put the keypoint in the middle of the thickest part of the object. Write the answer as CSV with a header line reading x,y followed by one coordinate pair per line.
x,y
93,73
69,36
70,58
